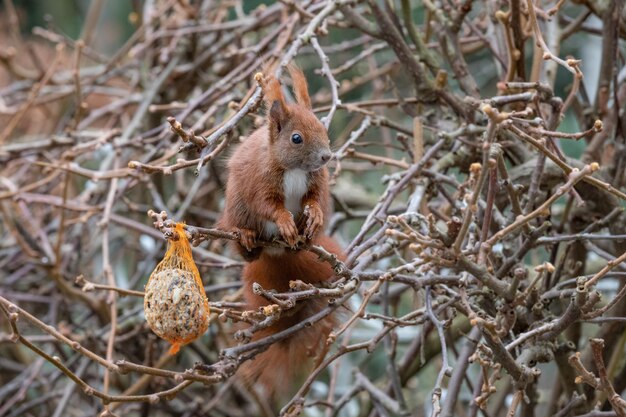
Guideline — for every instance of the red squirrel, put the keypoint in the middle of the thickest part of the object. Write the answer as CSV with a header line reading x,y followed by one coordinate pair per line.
x,y
278,188
278,181
277,368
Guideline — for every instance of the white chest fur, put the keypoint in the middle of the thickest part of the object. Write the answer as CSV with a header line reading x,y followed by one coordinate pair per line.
x,y
295,185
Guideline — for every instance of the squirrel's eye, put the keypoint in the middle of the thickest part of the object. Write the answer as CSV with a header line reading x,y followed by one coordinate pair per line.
x,y
296,138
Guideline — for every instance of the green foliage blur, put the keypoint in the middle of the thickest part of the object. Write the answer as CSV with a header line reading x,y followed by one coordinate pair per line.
x,y
68,18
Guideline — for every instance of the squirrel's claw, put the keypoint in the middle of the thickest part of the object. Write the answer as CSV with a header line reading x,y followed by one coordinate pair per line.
x,y
247,238
315,220
287,229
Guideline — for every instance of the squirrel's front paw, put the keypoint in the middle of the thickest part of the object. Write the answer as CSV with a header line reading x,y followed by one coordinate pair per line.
x,y
287,228
247,238
315,219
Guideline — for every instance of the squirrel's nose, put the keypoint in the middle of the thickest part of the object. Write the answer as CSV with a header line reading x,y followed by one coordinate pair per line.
x,y
326,156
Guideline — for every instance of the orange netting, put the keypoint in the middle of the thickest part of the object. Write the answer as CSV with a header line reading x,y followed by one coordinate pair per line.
x,y
175,303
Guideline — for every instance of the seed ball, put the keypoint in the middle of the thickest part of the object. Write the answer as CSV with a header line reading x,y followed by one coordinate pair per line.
x,y
176,307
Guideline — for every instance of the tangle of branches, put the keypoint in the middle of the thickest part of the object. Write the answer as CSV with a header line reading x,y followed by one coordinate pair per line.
x,y
478,181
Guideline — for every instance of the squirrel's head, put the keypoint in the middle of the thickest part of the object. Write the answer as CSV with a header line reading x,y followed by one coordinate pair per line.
x,y
298,139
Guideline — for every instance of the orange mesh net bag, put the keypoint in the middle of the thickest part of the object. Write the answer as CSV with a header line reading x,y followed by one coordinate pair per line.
x,y
175,303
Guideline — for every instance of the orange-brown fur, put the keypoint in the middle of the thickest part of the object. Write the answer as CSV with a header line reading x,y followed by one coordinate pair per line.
x,y
279,188
283,360
254,190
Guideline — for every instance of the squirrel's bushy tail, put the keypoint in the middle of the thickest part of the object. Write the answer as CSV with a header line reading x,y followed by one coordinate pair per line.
x,y
284,361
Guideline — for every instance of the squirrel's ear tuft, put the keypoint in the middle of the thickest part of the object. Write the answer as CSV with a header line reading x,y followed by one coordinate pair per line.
x,y
272,90
277,116
300,89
